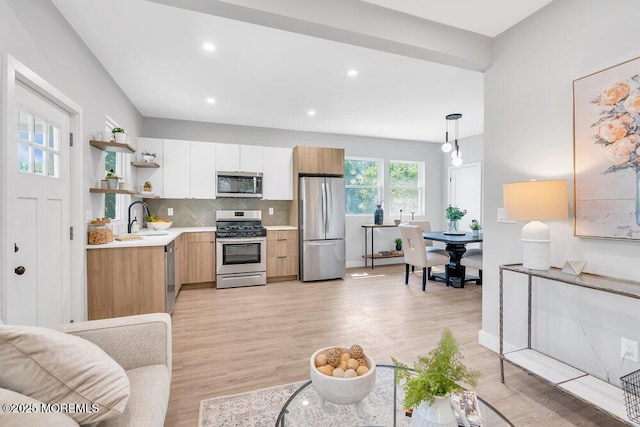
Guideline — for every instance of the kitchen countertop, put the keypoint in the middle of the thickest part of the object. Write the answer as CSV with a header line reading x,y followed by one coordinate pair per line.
x,y
172,233
149,240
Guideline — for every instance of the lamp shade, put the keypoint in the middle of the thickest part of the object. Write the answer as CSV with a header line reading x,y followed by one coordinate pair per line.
x,y
536,200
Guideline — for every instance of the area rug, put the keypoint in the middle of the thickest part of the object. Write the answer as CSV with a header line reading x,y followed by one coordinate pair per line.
x,y
253,409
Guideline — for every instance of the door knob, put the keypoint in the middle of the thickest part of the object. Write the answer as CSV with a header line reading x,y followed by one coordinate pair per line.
x,y
20,270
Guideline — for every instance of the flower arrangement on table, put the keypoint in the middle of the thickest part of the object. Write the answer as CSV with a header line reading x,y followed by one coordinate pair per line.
x,y
475,225
454,214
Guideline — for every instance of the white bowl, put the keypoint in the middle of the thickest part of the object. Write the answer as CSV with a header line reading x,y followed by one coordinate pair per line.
x,y
159,225
342,391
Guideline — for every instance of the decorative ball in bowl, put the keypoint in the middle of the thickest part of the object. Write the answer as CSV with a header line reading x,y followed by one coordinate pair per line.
x,y
396,221
338,385
159,225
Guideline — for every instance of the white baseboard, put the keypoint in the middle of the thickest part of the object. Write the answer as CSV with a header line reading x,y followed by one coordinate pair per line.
x,y
493,343
489,341
360,263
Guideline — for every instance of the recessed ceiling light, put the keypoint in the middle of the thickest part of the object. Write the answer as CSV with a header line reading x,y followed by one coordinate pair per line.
x,y
211,101
311,113
352,73
209,47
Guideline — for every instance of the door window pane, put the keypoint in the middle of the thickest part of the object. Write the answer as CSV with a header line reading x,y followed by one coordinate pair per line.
x,y
24,126
38,131
24,157
52,164
54,136
38,146
38,161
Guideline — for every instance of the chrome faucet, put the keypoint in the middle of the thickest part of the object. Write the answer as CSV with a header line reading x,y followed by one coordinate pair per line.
x,y
129,222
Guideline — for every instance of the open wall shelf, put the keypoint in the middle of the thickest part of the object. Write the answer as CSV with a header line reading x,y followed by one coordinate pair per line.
x,y
107,191
112,146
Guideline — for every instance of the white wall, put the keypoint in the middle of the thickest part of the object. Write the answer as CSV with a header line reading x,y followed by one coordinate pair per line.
x,y
528,134
355,146
37,35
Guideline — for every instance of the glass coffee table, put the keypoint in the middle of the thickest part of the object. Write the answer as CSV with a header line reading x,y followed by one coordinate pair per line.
x,y
383,407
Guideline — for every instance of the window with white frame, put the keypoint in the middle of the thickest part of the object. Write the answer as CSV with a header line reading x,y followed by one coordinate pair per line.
x,y
363,180
114,203
406,184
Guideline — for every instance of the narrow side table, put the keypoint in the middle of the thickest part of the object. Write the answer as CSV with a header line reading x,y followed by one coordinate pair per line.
x,y
371,255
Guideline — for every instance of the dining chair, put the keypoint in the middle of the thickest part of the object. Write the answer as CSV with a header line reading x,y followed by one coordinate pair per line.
x,y
425,225
418,254
473,258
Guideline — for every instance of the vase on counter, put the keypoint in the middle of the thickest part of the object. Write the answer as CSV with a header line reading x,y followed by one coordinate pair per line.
x,y
378,215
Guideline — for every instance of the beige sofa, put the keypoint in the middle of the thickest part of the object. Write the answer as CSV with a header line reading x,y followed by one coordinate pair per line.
x,y
142,346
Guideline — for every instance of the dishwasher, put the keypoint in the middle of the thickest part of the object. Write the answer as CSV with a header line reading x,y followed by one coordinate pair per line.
x,y
169,277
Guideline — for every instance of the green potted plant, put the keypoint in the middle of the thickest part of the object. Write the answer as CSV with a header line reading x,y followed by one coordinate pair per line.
x,y
120,135
112,180
454,214
475,227
148,157
147,187
398,244
429,385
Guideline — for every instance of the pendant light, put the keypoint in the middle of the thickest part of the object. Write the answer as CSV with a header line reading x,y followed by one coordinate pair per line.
x,y
456,155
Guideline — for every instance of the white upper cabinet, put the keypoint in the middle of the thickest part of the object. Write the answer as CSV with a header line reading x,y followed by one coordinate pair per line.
x,y
176,162
251,158
238,158
153,175
277,181
203,174
227,157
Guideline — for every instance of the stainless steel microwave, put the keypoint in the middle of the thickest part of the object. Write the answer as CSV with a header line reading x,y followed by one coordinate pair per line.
x,y
239,184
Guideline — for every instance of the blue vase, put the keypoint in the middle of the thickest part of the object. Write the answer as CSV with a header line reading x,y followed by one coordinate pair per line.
x,y
378,215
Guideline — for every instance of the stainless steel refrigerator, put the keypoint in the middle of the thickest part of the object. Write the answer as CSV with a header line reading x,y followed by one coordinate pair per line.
x,y
321,228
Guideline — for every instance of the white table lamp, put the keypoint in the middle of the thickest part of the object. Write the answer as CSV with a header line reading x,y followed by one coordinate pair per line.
x,y
536,201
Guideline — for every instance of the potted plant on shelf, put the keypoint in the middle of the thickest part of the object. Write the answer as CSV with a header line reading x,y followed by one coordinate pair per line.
x,y
454,214
112,180
148,157
398,244
120,135
147,187
429,385
475,227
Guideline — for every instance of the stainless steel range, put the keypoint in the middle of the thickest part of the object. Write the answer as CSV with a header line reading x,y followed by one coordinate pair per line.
x,y
241,249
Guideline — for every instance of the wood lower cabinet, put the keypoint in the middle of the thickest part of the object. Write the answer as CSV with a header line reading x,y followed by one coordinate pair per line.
x,y
180,261
125,281
282,254
201,257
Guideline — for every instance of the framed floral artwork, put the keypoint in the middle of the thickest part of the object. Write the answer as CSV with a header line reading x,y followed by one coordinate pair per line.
x,y
606,133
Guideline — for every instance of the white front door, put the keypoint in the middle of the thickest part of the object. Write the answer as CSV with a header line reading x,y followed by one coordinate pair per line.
x,y
465,192
38,212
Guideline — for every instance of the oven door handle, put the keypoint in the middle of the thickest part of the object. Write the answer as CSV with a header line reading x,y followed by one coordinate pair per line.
x,y
241,240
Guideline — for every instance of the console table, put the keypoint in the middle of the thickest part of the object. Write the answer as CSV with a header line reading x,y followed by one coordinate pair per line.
x,y
600,394
371,255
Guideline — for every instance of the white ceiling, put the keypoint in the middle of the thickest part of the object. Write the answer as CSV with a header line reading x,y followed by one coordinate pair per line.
x,y
488,17
261,76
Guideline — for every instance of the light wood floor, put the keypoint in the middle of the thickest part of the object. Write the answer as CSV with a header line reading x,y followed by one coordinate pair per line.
x,y
235,340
